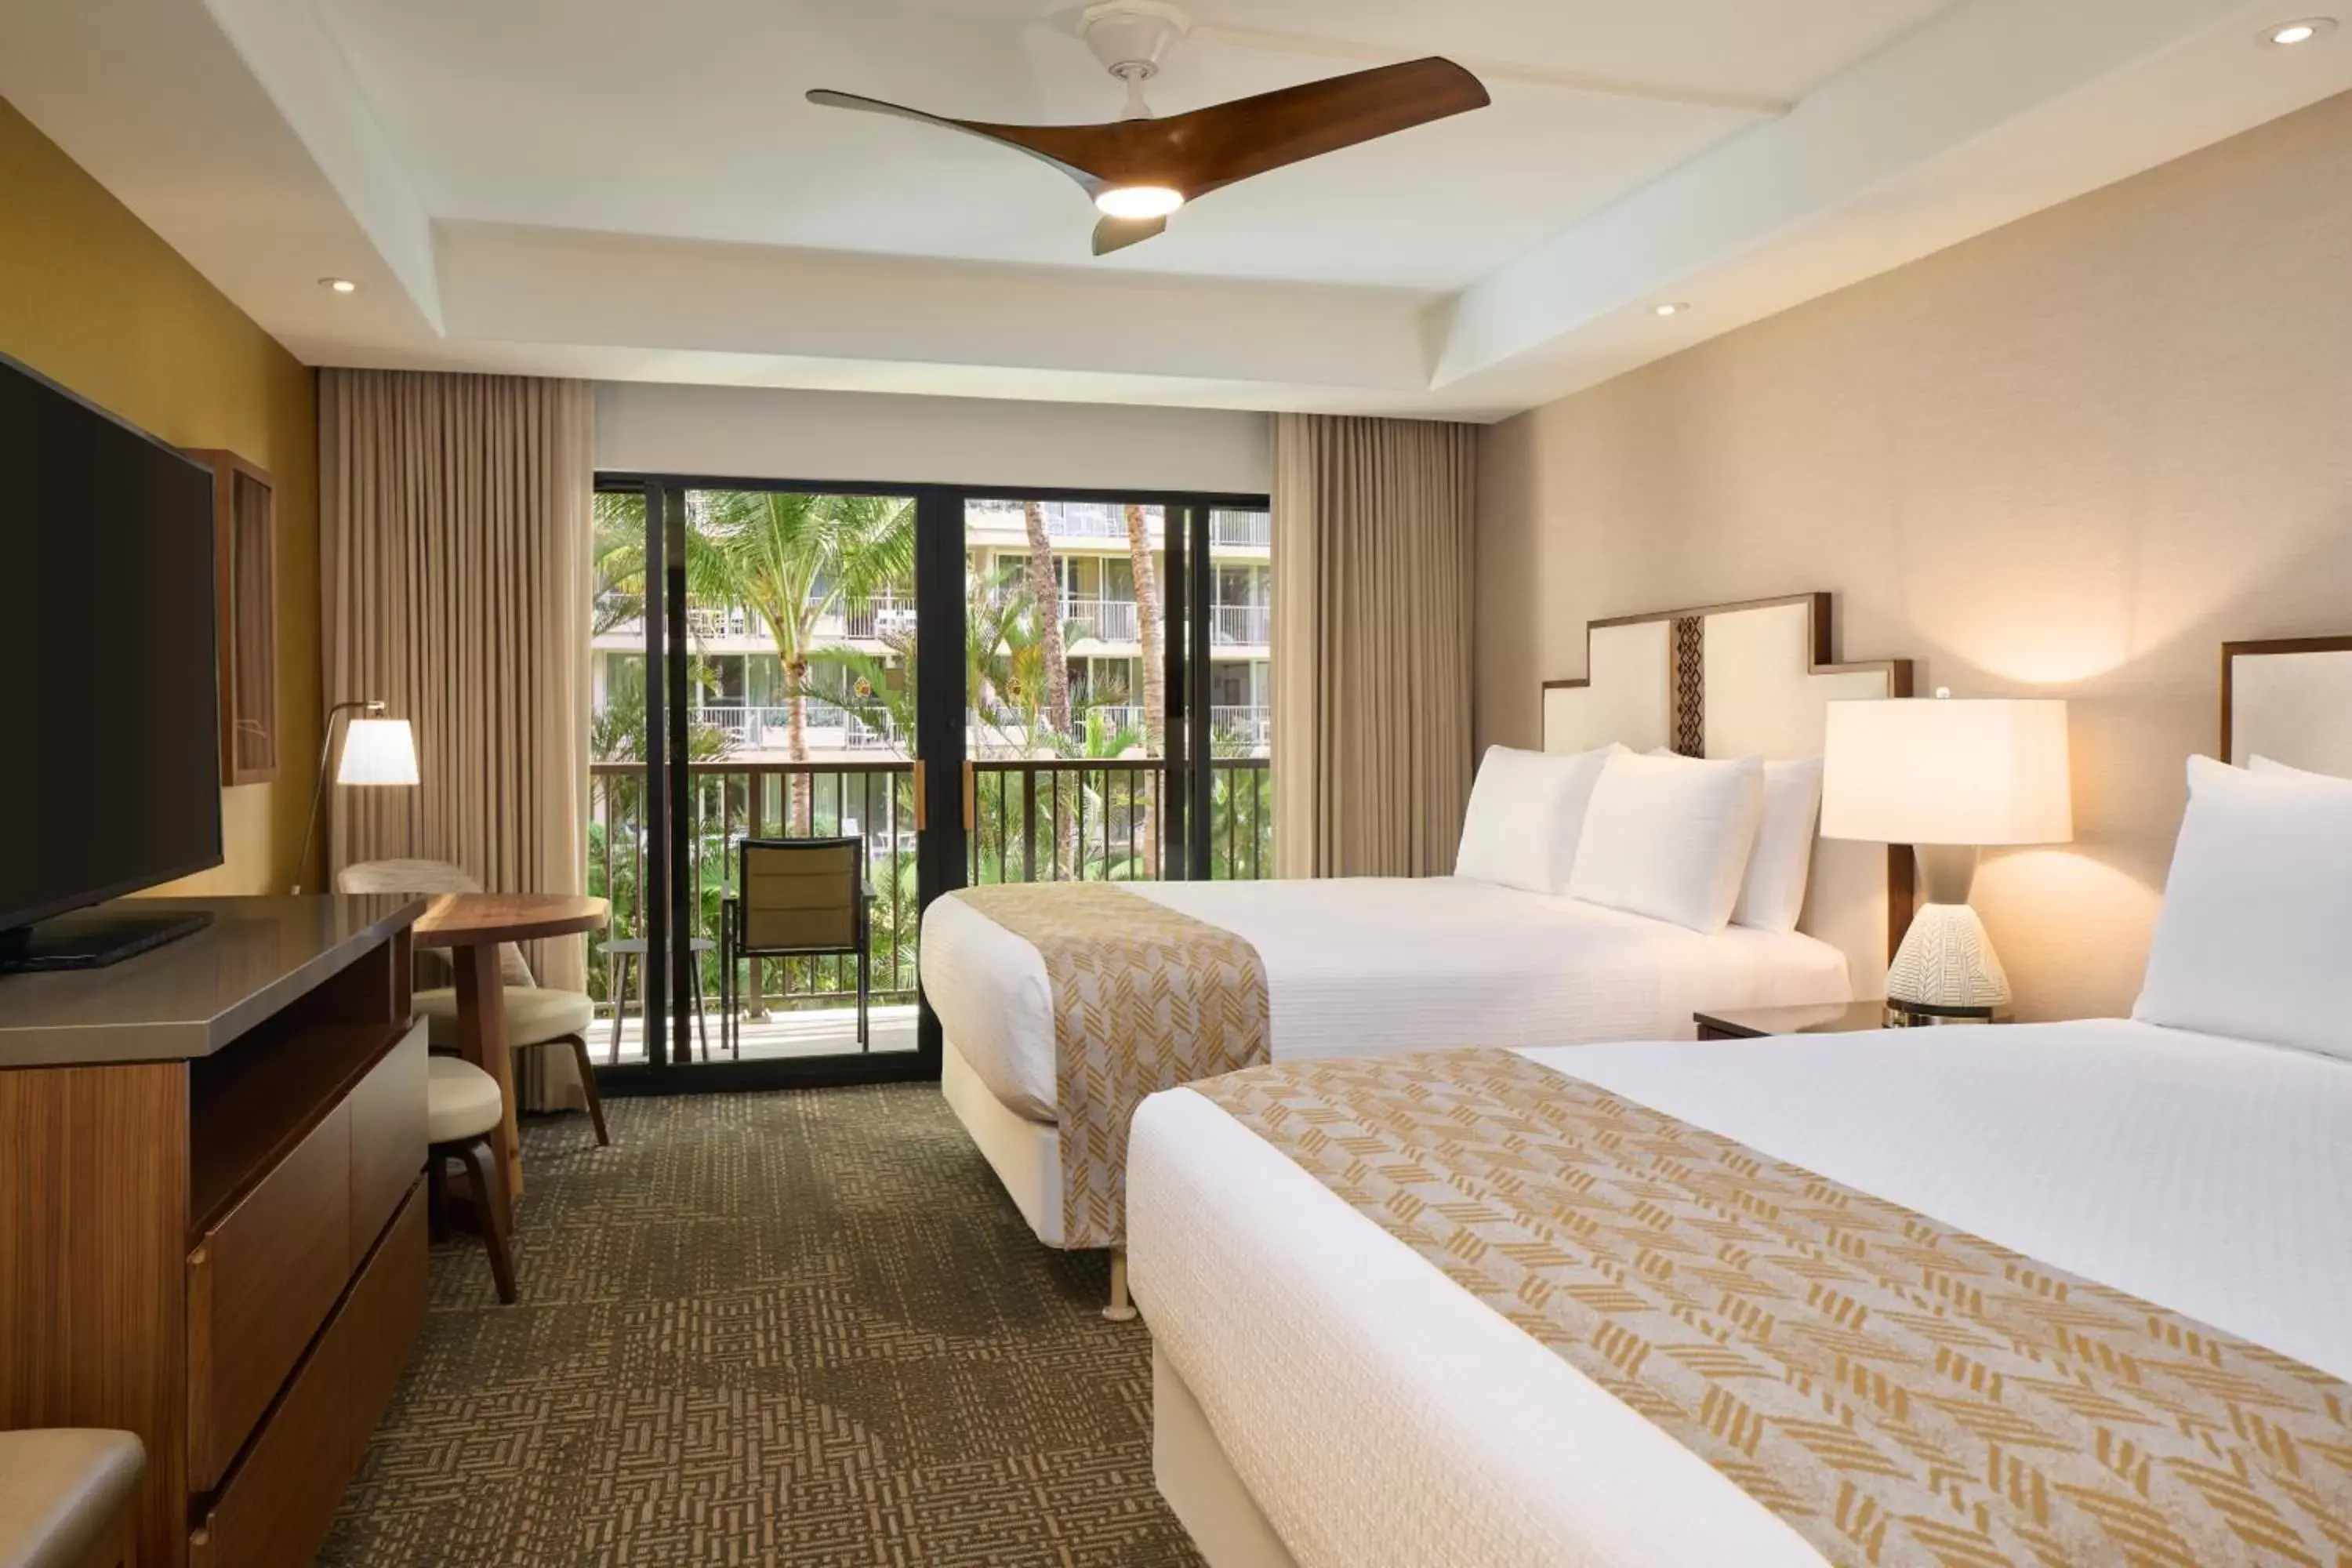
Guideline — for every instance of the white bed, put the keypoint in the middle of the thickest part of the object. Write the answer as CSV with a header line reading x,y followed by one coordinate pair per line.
x,y
1318,1376
1367,965
1364,966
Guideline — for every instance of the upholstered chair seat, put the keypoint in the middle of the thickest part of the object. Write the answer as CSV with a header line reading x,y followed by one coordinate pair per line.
x,y
461,1100
535,1016
462,1105
63,1495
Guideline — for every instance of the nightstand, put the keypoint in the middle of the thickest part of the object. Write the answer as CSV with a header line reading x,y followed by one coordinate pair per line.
x,y
1820,1018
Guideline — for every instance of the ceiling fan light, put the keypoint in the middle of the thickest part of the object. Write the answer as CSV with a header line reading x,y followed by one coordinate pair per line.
x,y
1139,201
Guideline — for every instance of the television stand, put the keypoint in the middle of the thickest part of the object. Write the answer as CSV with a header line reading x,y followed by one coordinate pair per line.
x,y
94,938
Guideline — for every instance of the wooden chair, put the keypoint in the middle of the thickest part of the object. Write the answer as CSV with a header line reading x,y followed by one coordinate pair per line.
x,y
461,1106
536,1016
795,898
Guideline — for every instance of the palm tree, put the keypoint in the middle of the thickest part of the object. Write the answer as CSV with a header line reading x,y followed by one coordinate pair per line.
x,y
617,557
1046,595
794,558
1147,631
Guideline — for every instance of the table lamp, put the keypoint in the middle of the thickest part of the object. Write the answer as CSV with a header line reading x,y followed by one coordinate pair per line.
x,y
1947,777
376,751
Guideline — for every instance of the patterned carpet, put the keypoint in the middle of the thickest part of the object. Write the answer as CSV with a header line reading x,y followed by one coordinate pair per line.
x,y
805,1327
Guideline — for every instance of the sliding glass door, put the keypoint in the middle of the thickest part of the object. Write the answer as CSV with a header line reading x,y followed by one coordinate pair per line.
x,y
1118,694
959,686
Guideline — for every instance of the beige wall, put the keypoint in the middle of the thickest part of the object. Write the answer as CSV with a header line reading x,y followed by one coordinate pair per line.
x,y
2069,457
92,297
742,432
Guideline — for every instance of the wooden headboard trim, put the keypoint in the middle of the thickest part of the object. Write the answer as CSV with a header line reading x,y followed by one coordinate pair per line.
x,y
1901,874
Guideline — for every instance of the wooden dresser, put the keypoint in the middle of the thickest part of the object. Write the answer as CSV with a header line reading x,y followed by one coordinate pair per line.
x,y
211,1231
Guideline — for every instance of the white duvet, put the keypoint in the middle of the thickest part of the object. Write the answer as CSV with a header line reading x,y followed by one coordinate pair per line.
x,y
1365,965
1383,1417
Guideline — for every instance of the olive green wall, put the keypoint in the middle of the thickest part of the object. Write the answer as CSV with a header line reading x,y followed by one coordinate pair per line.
x,y
92,297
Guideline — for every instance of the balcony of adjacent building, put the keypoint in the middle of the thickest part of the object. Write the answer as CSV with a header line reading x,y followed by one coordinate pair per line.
x,y
1101,526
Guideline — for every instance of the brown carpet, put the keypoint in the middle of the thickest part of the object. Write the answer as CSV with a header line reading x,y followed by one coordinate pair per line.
x,y
802,1328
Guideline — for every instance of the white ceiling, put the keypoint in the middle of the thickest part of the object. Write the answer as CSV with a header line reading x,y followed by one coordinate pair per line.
x,y
687,121
635,190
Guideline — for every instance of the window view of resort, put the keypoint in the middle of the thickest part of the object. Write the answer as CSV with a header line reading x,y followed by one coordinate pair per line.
x,y
802,628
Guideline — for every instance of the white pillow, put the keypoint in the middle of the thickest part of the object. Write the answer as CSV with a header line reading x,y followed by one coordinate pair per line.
x,y
2257,917
1773,893
1526,810
1669,838
2262,764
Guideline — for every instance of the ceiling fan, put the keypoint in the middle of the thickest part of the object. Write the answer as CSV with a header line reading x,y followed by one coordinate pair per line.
x,y
1139,168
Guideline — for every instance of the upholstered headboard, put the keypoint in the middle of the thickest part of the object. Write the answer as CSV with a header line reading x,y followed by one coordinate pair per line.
x,y
2290,700
1744,680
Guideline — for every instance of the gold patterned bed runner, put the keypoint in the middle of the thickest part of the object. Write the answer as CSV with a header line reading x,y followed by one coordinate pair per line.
x,y
1897,1390
1144,998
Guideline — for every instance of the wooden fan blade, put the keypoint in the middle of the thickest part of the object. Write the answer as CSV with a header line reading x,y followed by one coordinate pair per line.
x,y
1210,148
829,99
1118,233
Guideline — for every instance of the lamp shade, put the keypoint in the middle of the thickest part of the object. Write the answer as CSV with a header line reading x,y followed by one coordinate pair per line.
x,y
1973,771
378,751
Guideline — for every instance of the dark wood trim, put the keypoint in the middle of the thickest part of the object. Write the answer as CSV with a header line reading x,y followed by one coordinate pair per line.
x,y
1902,885
2233,651
243,631
1218,501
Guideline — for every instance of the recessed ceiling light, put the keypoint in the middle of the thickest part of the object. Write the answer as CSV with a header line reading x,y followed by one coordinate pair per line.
x,y
2300,31
339,285
1672,308
1139,201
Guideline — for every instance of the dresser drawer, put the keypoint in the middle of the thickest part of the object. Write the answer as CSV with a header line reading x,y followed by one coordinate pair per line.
x,y
387,1139
259,1284
276,1508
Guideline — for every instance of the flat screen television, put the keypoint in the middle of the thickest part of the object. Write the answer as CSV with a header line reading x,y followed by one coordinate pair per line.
x,y
110,718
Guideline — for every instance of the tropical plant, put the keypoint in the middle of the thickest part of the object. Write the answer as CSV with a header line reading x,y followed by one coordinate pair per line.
x,y
794,559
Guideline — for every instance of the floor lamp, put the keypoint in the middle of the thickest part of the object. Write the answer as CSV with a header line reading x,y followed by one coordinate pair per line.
x,y
377,751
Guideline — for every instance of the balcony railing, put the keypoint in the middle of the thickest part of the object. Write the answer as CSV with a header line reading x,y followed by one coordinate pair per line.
x,y
1249,626
1251,724
1071,519
1246,528
1032,821
1104,620
828,724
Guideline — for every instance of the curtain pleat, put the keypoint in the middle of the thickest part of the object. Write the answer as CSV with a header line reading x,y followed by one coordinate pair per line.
x,y
1374,531
455,579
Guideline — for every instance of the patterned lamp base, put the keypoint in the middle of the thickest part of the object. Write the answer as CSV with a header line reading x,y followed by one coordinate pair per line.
x,y
1946,967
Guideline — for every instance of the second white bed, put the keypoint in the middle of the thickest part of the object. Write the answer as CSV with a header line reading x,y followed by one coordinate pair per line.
x,y
1364,966
1379,1414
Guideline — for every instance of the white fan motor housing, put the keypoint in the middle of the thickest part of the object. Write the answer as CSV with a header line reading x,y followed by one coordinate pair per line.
x,y
1131,36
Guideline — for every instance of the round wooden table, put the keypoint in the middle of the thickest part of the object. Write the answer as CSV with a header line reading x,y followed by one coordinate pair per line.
x,y
471,925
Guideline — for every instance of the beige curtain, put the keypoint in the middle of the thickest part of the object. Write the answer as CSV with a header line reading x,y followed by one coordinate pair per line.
x,y
454,567
1373,569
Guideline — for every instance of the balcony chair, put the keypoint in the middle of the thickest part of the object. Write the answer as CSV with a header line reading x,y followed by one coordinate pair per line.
x,y
535,1016
622,954
795,898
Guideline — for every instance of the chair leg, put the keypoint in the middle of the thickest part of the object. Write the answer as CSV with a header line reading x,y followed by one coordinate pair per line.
x,y
864,982
437,1195
489,1191
701,1012
579,1044
616,986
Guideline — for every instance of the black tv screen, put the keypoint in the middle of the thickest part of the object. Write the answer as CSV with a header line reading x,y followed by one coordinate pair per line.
x,y
108,703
